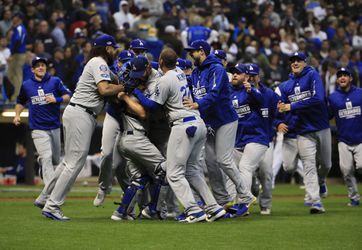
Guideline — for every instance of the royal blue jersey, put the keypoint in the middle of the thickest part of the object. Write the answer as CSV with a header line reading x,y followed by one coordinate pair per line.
x,y
210,86
269,110
251,125
346,108
306,95
42,115
197,32
18,40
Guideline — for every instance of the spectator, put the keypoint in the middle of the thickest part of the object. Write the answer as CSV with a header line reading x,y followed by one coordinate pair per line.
x,y
168,18
275,72
58,62
275,20
220,20
240,30
123,15
267,30
31,12
330,78
45,37
171,40
288,44
154,45
5,22
18,169
318,33
58,32
357,38
143,23
4,56
39,50
323,53
17,48
332,27
197,31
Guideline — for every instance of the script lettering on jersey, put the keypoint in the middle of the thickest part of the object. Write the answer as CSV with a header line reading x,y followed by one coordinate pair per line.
x,y
350,111
300,96
241,110
200,92
40,99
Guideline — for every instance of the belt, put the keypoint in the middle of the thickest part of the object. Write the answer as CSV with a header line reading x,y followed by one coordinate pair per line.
x,y
183,120
134,132
84,108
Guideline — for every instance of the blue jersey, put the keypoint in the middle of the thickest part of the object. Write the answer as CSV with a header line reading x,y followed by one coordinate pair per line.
x,y
197,32
42,116
269,110
18,40
251,125
305,93
210,86
346,108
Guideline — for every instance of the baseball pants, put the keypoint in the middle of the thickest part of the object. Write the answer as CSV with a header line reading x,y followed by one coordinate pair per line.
x,y
350,157
266,178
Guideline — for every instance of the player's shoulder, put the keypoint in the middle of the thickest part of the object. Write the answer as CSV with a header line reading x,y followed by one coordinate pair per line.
x,y
97,61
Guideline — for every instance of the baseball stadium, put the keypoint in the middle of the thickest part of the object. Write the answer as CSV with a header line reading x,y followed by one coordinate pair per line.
x,y
180,124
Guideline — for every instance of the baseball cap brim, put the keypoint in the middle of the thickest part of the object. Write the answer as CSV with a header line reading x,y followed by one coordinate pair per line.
x,y
299,57
235,70
143,48
190,48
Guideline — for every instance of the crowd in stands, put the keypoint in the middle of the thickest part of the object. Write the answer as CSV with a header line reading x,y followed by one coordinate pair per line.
x,y
256,31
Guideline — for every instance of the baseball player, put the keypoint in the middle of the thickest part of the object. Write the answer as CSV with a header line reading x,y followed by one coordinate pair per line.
x,y
303,95
219,53
43,93
188,135
112,126
268,111
212,98
345,105
79,120
138,47
144,160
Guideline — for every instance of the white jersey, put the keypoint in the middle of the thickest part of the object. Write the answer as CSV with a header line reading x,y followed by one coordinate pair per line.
x,y
86,92
170,92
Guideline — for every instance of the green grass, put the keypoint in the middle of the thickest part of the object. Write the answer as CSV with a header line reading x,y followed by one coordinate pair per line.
x,y
289,227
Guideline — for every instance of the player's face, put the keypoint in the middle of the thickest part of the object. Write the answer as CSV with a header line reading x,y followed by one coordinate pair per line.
x,y
112,52
238,79
297,65
39,69
138,52
344,81
254,79
196,55
119,63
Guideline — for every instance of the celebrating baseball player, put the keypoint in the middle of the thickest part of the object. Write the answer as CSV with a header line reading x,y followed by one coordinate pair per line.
x,y
345,105
43,93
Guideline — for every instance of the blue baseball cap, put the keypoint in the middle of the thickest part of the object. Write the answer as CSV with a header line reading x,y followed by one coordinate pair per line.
x,y
300,55
181,63
125,55
238,68
105,40
252,69
138,44
198,45
155,65
38,59
139,66
344,71
220,54
188,64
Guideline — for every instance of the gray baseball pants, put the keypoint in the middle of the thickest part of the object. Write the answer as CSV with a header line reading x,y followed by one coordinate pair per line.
x,y
315,147
350,157
266,178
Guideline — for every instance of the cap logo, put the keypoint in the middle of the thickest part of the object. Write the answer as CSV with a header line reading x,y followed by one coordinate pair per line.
x,y
141,43
128,54
343,69
109,43
216,52
296,53
251,67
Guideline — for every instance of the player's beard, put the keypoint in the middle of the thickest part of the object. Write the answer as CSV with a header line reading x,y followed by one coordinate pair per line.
x,y
197,61
111,58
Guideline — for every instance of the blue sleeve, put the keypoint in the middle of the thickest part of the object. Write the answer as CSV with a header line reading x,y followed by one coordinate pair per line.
x,y
14,42
22,97
217,78
62,89
256,96
147,103
330,108
316,87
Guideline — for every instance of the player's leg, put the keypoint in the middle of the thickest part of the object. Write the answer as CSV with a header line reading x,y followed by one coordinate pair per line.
x,y
277,155
290,154
266,181
237,154
56,146
324,155
77,141
215,174
307,148
346,163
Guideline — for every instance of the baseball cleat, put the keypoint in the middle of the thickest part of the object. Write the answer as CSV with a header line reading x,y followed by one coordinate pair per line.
x,y
148,214
100,197
243,208
196,217
116,216
317,208
265,211
323,190
218,214
353,203
39,205
57,215
181,217
229,216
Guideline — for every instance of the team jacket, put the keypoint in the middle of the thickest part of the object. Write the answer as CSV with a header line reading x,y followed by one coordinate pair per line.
x,y
269,110
346,108
251,125
42,116
18,39
197,32
211,91
306,95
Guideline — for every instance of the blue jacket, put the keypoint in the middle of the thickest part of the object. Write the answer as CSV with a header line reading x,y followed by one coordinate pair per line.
x,y
18,40
197,32
251,125
346,108
269,110
308,102
42,116
211,91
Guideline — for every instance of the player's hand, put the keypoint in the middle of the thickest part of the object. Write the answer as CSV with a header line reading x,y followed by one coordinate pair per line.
x,y
282,127
247,86
283,107
17,120
50,99
121,95
188,103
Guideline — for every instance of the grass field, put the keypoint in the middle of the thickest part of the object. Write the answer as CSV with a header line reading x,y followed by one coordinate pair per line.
x,y
289,227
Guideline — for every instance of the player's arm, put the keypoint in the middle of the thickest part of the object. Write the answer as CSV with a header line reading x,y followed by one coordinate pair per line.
x,y
63,94
107,89
146,102
18,109
135,106
20,105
